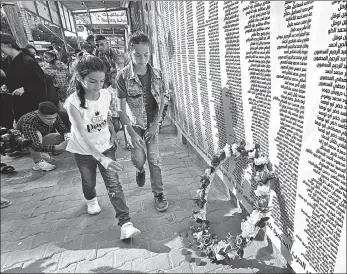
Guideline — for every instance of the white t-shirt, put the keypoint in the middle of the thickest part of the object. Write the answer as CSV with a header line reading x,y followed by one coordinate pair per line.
x,y
95,123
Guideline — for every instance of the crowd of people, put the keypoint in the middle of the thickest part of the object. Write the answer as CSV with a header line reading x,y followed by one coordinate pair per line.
x,y
99,93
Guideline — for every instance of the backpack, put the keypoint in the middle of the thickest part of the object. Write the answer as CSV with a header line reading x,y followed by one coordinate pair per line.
x,y
52,91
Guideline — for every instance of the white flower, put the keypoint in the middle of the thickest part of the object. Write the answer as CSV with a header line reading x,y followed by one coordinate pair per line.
x,y
249,147
263,160
197,235
251,155
248,227
255,216
262,190
227,150
200,193
219,257
234,148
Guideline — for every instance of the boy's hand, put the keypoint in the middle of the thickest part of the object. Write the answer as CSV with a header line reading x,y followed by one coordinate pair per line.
x,y
137,141
114,139
150,132
115,166
62,146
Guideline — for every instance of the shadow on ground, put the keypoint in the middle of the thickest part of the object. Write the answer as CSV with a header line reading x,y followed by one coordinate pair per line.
x,y
39,266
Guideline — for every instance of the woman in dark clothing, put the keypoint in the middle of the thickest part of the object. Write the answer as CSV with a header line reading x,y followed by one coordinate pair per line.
x,y
24,78
6,99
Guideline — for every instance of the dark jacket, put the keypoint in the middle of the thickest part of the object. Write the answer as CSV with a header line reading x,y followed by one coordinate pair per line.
x,y
25,72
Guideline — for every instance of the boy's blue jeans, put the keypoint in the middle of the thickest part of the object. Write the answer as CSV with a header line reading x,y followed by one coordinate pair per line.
x,y
138,157
87,166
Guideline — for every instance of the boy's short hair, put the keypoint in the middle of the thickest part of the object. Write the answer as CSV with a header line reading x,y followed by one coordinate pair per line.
x,y
47,108
90,37
137,37
100,37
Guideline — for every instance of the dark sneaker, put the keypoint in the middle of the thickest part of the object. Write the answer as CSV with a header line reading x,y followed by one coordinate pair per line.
x,y
161,204
141,178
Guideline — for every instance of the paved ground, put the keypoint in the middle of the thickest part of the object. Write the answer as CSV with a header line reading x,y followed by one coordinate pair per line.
x,y
47,228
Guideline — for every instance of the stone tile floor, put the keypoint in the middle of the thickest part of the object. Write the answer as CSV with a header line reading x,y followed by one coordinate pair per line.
x,y
47,229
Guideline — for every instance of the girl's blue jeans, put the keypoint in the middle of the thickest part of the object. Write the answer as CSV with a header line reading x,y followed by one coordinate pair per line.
x,y
87,165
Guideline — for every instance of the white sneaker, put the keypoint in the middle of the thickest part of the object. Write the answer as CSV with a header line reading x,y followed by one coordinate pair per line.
x,y
93,206
43,166
128,231
46,157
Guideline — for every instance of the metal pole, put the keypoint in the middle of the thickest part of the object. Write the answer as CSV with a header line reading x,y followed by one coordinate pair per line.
x,y
25,22
61,26
78,39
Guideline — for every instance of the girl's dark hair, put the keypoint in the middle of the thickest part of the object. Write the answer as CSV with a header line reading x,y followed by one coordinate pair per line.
x,y
137,37
52,54
85,65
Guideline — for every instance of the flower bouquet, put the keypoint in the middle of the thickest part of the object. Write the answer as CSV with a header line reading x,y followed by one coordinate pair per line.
x,y
232,246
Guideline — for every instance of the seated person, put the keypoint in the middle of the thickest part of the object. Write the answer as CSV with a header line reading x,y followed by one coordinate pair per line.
x,y
41,127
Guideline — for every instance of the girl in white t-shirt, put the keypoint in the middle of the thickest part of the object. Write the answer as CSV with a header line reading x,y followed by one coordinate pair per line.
x,y
93,138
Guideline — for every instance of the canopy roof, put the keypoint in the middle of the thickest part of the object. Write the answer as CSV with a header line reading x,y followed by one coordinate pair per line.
x,y
84,6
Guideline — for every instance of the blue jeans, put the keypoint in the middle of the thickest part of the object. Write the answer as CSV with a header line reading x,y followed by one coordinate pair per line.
x,y
87,166
49,139
117,124
138,157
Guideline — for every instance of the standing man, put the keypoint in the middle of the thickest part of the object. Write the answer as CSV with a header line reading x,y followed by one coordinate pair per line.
x,y
112,58
91,41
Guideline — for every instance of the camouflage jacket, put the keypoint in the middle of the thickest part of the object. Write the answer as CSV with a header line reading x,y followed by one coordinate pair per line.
x,y
135,92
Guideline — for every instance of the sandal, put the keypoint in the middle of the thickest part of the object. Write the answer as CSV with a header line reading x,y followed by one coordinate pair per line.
x,y
5,203
5,169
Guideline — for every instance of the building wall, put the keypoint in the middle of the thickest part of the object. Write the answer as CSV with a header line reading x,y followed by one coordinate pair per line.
x,y
272,73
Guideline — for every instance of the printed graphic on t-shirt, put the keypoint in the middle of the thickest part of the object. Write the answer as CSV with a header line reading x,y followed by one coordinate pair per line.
x,y
97,123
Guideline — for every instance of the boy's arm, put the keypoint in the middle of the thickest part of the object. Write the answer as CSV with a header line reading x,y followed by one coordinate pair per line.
x,y
122,95
136,140
162,104
162,101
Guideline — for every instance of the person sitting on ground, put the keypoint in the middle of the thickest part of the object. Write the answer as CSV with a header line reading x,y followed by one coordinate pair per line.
x,y
93,139
40,126
142,87
112,58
